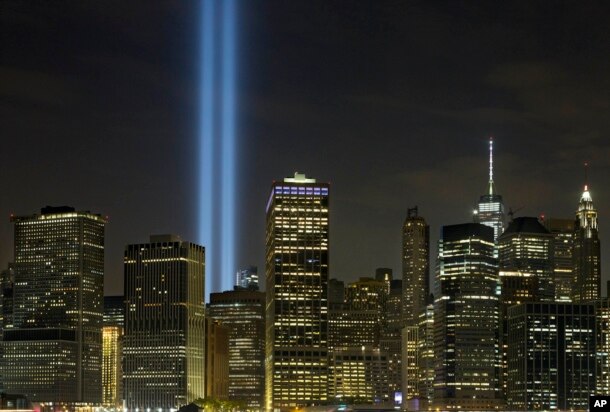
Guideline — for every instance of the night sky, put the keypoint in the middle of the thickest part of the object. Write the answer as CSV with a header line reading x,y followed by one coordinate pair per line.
x,y
390,101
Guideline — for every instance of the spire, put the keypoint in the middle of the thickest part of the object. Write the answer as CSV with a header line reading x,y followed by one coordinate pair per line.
x,y
491,165
586,176
586,195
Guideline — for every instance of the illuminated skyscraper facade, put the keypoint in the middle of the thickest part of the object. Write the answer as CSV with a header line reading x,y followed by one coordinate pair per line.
x,y
526,272
297,291
551,362
112,351
53,352
587,258
391,337
563,260
415,266
602,345
415,294
466,320
490,209
243,312
216,360
358,375
163,344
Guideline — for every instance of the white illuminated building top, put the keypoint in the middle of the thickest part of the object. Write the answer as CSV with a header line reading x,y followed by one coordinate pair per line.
x,y
299,178
490,209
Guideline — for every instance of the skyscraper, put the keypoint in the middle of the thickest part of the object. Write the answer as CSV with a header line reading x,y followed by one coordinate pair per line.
x,y
526,272
164,324
587,260
490,209
391,338
415,266
53,353
466,319
563,261
297,292
551,362
415,294
112,351
243,312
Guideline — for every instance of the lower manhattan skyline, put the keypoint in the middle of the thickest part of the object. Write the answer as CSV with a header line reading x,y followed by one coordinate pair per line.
x,y
391,102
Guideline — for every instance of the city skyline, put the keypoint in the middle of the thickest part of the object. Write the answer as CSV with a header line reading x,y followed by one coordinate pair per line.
x,y
112,109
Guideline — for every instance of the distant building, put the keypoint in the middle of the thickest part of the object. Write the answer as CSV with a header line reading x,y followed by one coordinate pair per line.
x,y
602,345
243,313
563,260
297,293
57,308
587,258
247,278
390,341
490,209
216,360
466,337
163,344
112,351
358,375
415,267
526,251
7,280
415,294
551,362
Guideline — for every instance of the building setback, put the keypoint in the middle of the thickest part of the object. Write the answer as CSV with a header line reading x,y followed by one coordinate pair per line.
x,y
243,313
297,292
53,352
551,362
164,324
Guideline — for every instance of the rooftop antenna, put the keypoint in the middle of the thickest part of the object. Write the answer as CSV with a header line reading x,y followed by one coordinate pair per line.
x,y
491,165
586,176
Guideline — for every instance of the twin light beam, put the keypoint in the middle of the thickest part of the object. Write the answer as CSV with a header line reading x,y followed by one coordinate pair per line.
x,y
217,142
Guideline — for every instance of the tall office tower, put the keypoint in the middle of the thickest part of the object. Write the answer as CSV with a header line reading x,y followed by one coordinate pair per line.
x,y
391,339
247,278
563,232
216,359
243,312
163,344
358,375
425,353
490,209
602,345
112,351
526,250
418,360
587,259
53,353
526,272
551,363
415,266
466,320
297,291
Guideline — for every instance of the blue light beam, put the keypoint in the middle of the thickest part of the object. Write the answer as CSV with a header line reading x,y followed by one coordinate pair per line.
x,y
217,142
228,145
